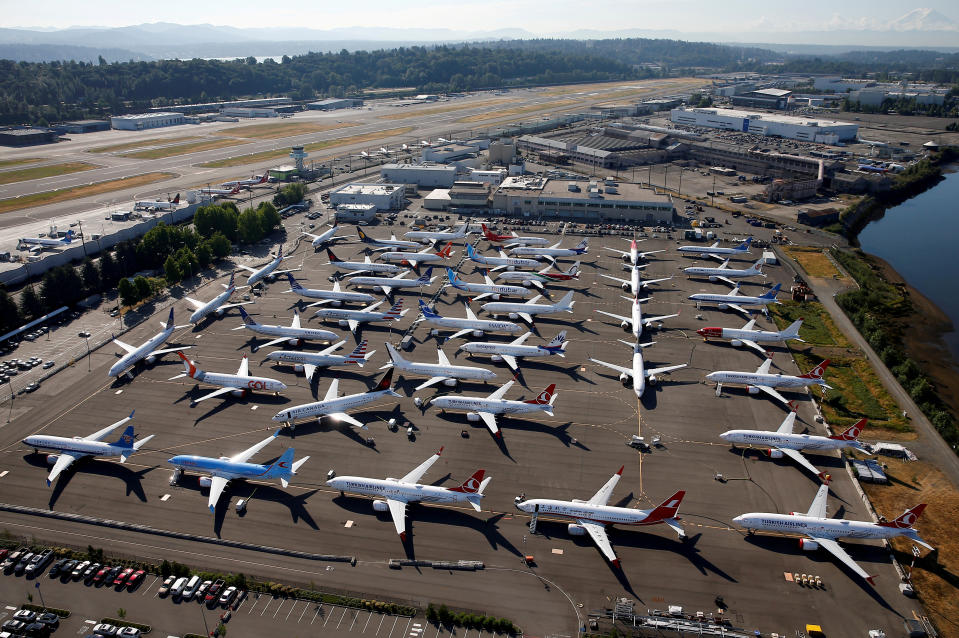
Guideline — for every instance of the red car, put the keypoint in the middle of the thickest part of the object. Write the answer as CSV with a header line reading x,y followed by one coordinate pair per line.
x,y
135,578
101,574
213,593
121,578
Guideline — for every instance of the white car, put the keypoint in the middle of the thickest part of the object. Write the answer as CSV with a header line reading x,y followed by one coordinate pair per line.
x,y
105,629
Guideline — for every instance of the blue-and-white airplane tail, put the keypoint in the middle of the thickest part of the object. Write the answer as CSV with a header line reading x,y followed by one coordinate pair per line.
x,y
582,246
247,319
454,280
557,344
294,284
168,324
425,278
285,467
745,245
68,237
428,312
772,293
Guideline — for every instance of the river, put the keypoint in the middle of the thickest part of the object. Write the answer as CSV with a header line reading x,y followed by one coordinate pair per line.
x,y
918,238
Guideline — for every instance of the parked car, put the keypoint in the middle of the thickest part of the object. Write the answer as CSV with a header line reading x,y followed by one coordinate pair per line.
x,y
14,627
37,630
128,632
226,598
213,593
56,567
165,587
39,563
122,576
25,616
201,591
79,570
105,629
102,574
21,566
49,618
91,571
67,570
135,579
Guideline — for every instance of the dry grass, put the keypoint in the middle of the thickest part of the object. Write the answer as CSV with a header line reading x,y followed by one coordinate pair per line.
x,y
76,192
39,172
182,149
407,112
936,576
650,85
126,146
518,110
814,261
281,129
17,162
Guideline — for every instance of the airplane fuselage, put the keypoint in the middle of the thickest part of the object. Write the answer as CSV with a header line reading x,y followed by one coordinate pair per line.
x,y
483,325
812,526
515,262
263,272
240,382
438,370
434,236
707,250
768,380
334,295
74,445
405,257
602,514
393,489
132,358
372,267
759,336
345,314
505,307
211,306
391,282
314,334
493,348
547,252
729,273
223,468
311,358
320,408
739,300
493,289
783,440
493,406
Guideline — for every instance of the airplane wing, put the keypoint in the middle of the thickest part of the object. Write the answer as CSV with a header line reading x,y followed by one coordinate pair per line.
x,y
490,420
125,346
343,416
215,393
246,268
726,279
99,435
432,381
165,351
421,469
525,316
309,370
598,533
249,453
651,252
787,424
796,456
818,507
613,366
331,392
831,546
353,324
621,252
217,485
501,392
774,394
387,290
738,308
648,282
520,340
510,361
601,497
649,320
482,296
755,346
283,272
614,316
64,461
274,342
227,306
622,281
459,333
764,368
398,513
193,302
664,370
244,369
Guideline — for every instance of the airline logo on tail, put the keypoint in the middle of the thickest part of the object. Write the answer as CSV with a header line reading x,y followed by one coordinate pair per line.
x,y
359,353
582,246
333,258
126,439
447,250
545,397
668,509
188,366
427,311
363,237
247,319
817,372
394,311
230,285
472,484
385,382
294,284
852,433
769,295
425,277
908,518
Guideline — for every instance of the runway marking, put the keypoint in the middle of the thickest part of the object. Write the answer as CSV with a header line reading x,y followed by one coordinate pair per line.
x,y
639,432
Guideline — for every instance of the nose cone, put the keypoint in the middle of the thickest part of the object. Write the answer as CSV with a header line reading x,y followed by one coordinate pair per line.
x,y
739,519
724,436
280,416
280,386
701,332
711,376
175,460
333,482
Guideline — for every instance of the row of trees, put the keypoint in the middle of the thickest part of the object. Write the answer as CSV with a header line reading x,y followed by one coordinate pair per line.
x,y
905,106
444,616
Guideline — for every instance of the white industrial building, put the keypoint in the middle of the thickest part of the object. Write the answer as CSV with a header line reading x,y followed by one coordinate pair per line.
x,y
333,104
493,177
795,128
352,213
142,121
876,96
248,111
428,175
382,196
594,201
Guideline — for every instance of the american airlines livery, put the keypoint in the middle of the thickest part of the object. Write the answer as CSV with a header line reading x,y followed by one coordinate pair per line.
x,y
216,305
725,273
292,334
471,324
737,301
147,352
715,251
239,384
594,515
638,373
391,495
510,352
308,362
334,297
440,372
335,407
761,380
819,531
70,449
486,408
747,336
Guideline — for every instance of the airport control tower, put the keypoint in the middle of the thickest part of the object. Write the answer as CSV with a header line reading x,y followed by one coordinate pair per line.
x,y
298,155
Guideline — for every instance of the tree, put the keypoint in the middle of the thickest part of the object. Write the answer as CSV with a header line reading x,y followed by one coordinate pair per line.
x,y
171,270
128,292
204,254
9,313
217,218
30,305
249,226
269,217
109,271
142,285
92,283
220,245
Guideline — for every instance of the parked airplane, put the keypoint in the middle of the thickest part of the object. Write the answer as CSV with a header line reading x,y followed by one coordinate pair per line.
x,y
387,284
414,259
40,243
362,266
761,380
510,352
635,283
393,494
746,336
353,318
385,244
635,322
268,272
238,384
543,276
638,372
464,326
488,289
431,236
440,372
820,531
293,334
216,305
725,273
73,448
146,352
737,301
784,442
527,310
220,192
326,237
159,204
715,251
503,261
224,469
336,407
334,297
486,408
256,180
308,362
553,251
633,256
514,238
594,515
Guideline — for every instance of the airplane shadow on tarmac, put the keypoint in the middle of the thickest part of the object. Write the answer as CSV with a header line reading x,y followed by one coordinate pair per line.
x,y
133,479
823,462
228,400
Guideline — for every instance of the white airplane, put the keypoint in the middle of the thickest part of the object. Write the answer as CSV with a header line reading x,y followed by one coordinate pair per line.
x,y
221,192
336,407
386,285
553,251
715,251
385,244
414,259
746,336
440,372
431,236
636,322
633,256
737,301
635,283
41,242
638,373
515,239
488,289
159,204
224,469
216,305
464,326
334,297
268,272
293,334
725,273
323,238
503,261
73,448
239,384
819,531
246,183
486,408
784,442
594,515
353,318
362,266
147,352
393,494
308,362
540,277
527,310
510,352
761,380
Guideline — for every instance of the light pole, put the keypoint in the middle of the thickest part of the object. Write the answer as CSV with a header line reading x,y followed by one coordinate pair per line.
x,y
37,585
681,171
86,336
83,239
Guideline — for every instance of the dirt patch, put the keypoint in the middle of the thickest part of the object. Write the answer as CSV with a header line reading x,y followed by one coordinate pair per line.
x,y
182,149
814,261
66,194
18,162
39,172
281,129
406,112
141,143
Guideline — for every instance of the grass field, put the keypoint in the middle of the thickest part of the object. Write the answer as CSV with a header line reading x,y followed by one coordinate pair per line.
x,y
66,194
18,162
140,143
517,110
814,261
818,328
647,85
281,129
263,156
405,113
49,170
182,149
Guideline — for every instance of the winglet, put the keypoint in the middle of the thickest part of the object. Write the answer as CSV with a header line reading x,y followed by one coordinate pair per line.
x,y
620,472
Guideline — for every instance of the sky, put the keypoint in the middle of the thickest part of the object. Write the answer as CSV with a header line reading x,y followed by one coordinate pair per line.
x,y
537,16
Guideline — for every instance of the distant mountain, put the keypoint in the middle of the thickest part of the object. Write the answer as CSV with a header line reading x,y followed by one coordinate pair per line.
x,y
65,52
923,19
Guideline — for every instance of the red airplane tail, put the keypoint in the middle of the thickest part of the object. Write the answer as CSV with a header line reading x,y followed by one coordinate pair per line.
x,y
472,484
447,251
852,432
329,253
907,519
176,200
817,372
545,396
385,382
668,509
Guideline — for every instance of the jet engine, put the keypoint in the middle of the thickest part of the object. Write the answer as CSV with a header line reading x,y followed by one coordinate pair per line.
x,y
380,506
624,378
496,358
239,393
775,454
723,306
736,343
220,311
513,315
713,278
472,417
626,258
576,530
752,389
295,342
807,545
496,297
297,367
343,323
626,287
477,333
449,382
652,380
336,303
206,481
52,458
149,360
626,325
511,268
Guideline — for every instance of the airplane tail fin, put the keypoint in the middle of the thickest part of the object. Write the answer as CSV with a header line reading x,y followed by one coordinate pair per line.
x,y
176,200
282,468
247,319
427,276
385,383
668,509
279,253
451,276
487,234
68,237
169,322
189,368
126,439
817,372
545,397
557,341
852,432
329,253
907,519
745,244
359,353
447,250
362,235
583,245
566,303
470,251
792,331
394,354
472,485
772,293
294,284
395,311
428,312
